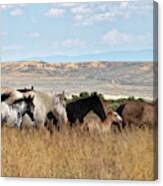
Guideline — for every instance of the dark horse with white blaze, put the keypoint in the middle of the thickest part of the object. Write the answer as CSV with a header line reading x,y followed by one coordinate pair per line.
x,y
77,110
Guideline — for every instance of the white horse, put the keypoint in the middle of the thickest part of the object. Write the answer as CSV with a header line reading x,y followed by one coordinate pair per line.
x,y
12,115
45,103
13,94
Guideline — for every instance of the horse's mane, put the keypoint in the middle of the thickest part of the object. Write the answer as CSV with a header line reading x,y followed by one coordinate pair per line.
x,y
5,96
85,99
120,109
18,100
26,89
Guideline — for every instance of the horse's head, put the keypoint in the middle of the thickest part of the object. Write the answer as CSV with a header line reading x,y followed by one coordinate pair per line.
x,y
60,99
30,106
97,107
115,117
59,102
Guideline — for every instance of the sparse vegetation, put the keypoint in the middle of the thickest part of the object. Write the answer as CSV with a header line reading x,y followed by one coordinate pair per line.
x,y
84,94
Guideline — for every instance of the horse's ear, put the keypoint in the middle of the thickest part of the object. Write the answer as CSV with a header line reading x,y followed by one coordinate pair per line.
x,y
63,94
94,94
32,97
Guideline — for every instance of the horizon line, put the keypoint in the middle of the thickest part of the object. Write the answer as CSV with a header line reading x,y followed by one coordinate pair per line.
x,y
86,61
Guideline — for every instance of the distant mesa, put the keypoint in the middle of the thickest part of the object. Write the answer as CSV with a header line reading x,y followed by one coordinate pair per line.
x,y
40,66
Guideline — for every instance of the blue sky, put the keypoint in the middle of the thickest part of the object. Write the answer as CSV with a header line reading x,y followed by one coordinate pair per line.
x,y
105,30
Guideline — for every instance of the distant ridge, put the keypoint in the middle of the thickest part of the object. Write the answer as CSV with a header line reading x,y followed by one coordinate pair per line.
x,y
41,67
145,55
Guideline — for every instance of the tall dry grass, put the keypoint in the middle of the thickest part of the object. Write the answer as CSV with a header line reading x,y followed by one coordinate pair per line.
x,y
76,154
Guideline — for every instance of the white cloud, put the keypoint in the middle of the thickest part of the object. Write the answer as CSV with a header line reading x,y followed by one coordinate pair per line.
x,y
116,38
55,12
73,43
78,17
93,13
3,34
124,5
5,7
34,35
92,19
16,12
69,4
82,9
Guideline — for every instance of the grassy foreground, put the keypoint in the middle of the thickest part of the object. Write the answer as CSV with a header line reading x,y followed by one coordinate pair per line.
x,y
76,154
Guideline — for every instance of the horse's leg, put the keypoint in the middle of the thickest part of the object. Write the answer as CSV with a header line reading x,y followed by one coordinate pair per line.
x,y
123,124
81,120
40,124
120,126
19,123
78,123
18,120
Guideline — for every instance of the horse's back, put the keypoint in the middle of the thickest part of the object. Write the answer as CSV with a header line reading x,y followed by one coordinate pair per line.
x,y
137,112
14,94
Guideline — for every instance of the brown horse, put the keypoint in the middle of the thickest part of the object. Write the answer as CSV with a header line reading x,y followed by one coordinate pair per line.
x,y
138,113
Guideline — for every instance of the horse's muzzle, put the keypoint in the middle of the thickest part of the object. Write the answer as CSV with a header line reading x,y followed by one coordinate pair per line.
x,y
32,117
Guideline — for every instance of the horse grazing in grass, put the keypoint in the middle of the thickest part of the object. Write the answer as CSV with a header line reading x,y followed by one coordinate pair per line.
x,y
76,111
12,114
112,117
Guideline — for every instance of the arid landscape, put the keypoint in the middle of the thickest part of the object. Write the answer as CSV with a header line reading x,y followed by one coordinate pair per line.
x,y
113,79
79,90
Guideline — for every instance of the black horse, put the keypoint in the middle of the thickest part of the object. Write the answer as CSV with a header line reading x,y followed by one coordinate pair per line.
x,y
76,111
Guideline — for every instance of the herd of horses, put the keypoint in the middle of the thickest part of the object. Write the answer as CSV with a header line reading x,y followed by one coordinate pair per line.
x,y
49,110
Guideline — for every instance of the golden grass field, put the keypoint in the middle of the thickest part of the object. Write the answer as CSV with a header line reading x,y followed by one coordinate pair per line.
x,y
77,154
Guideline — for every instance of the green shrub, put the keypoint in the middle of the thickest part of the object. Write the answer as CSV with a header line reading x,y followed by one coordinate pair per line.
x,y
84,94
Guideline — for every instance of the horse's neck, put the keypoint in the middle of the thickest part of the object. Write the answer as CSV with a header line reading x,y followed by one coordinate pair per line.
x,y
87,109
109,121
